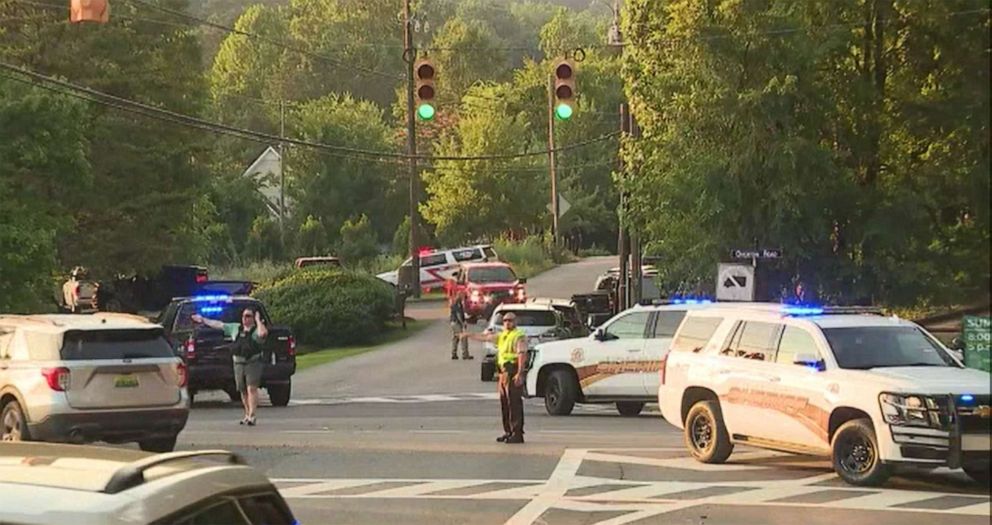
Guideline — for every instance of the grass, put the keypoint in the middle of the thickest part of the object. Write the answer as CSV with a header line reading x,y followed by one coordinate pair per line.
x,y
394,333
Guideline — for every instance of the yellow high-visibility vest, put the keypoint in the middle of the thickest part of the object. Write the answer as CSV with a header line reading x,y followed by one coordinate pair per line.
x,y
506,346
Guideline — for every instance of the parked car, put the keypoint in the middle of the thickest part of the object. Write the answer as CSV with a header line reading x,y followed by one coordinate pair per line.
x,y
569,310
486,286
317,262
84,378
207,352
50,484
539,321
868,391
438,266
79,293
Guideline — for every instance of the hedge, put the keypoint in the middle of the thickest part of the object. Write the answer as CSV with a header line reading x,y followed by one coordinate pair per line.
x,y
329,307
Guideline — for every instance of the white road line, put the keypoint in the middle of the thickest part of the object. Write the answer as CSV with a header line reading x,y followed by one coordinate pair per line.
x,y
557,486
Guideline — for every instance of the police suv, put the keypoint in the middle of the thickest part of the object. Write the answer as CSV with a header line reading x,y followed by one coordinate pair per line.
x,y
617,363
869,391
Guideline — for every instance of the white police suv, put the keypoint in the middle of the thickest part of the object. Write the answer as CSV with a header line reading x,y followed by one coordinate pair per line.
x,y
617,363
869,391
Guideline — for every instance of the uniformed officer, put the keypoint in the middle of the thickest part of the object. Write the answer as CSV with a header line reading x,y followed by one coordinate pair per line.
x,y
511,359
247,353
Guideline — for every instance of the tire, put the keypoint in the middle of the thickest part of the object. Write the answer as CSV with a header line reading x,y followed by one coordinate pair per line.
x,y
160,444
279,394
979,473
855,454
13,424
629,408
560,393
705,435
487,372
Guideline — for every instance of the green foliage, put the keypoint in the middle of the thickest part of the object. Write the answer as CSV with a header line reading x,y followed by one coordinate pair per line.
x,y
357,240
528,257
312,237
329,308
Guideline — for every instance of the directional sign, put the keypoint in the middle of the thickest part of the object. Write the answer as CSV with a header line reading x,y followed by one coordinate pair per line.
x,y
763,253
735,282
563,205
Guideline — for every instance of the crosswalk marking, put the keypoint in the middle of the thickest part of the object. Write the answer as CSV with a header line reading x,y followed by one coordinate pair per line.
x,y
567,490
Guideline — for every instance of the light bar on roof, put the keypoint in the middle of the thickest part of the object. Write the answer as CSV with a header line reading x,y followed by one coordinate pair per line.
x,y
212,298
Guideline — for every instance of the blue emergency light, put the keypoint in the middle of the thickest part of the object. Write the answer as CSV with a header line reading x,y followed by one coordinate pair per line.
x,y
211,298
211,309
967,398
803,310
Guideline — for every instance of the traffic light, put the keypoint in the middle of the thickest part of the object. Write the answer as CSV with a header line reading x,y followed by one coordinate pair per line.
x,y
564,89
89,11
423,74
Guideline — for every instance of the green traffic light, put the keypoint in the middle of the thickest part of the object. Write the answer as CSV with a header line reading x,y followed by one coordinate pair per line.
x,y
564,111
425,112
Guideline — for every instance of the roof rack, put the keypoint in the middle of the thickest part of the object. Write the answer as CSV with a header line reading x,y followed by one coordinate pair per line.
x,y
133,474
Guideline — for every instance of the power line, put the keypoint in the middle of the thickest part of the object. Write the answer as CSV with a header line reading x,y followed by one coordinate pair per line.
x,y
266,40
171,116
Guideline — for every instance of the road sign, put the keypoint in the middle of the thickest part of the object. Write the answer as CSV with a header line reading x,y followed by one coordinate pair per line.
x,y
735,282
977,342
763,253
563,205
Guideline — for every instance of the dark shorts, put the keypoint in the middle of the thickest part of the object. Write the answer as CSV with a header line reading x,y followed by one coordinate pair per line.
x,y
248,374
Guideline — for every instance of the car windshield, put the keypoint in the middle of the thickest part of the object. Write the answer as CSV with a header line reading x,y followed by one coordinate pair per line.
x,y
491,274
225,312
114,344
865,347
529,318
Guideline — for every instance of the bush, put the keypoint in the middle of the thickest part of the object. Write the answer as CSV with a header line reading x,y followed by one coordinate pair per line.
x,y
528,257
329,307
358,242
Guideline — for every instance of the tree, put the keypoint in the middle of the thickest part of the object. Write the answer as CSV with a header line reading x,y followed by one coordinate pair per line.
x,y
358,241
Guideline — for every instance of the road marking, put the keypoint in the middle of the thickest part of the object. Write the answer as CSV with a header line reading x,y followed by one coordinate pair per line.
x,y
642,500
438,432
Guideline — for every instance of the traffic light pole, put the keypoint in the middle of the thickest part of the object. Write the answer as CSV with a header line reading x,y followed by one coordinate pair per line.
x,y
552,161
409,55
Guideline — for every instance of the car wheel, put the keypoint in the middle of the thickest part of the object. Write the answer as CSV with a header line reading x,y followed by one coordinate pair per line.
x,y
629,408
161,444
13,424
979,473
705,434
279,394
855,454
560,393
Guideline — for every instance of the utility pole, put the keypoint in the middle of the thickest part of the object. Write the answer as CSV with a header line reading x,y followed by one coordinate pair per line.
x,y
409,56
623,279
552,160
282,173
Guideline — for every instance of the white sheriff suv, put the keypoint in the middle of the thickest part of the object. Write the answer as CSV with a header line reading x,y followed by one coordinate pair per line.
x,y
617,363
869,391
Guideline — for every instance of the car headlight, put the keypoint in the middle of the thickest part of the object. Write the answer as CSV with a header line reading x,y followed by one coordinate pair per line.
x,y
909,410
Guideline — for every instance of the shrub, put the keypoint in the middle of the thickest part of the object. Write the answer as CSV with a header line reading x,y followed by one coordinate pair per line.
x,y
329,307
358,241
527,257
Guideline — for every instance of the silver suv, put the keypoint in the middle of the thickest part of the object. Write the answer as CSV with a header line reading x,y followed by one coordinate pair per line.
x,y
83,378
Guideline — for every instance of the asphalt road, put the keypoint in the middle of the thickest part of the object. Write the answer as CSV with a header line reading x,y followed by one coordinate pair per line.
x,y
405,435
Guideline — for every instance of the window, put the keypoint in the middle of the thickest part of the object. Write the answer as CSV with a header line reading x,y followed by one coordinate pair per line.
x,y
489,253
756,341
5,339
695,333
667,323
470,254
492,274
865,347
432,260
795,341
529,318
267,509
78,345
630,326
223,311
222,512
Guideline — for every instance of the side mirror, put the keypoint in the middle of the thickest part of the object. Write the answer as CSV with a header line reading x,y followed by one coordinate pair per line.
x,y
809,361
599,335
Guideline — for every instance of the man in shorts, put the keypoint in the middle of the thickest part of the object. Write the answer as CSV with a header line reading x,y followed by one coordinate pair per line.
x,y
247,352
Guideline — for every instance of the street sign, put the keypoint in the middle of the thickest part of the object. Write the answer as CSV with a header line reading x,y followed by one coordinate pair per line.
x,y
735,282
563,205
976,334
763,253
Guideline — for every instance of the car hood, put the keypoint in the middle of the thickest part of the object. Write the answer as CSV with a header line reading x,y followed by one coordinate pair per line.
x,y
492,287
933,379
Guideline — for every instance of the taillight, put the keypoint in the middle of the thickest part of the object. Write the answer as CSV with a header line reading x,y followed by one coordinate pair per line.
x,y
57,378
183,375
79,289
291,346
663,369
201,278
190,348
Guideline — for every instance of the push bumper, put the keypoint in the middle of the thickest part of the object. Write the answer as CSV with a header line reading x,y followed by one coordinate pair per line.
x,y
217,376
965,440
111,426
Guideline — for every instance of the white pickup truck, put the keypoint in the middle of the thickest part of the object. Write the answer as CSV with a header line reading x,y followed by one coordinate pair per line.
x,y
868,391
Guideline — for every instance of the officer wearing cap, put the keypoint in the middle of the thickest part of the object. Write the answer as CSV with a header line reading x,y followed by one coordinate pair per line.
x,y
511,359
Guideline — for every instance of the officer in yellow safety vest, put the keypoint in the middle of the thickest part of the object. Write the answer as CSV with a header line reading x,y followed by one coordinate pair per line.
x,y
511,359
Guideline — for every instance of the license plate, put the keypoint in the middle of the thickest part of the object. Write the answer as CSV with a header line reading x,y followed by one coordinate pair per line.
x,y
976,442
126,381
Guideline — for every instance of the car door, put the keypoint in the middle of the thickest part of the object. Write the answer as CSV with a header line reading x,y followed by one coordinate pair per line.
x,y
663,327
617,351
747,378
